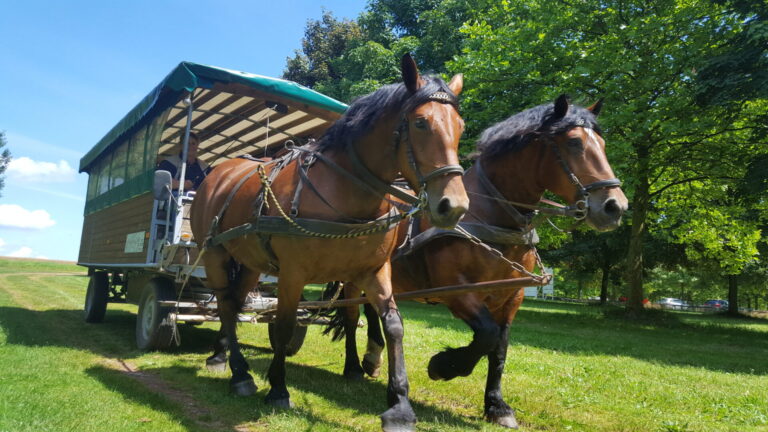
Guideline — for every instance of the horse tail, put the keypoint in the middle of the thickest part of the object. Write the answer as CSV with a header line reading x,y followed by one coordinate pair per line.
x,y
336,315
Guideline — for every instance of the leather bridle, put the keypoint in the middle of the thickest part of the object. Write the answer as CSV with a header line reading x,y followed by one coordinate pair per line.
x,y
402,135
578,210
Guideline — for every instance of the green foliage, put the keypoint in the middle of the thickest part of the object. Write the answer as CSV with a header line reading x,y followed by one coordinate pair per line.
x,y
685,117
5,159
679,161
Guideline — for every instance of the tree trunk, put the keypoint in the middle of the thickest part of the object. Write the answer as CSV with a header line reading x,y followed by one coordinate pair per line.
x,y
635,253
733,295
604,282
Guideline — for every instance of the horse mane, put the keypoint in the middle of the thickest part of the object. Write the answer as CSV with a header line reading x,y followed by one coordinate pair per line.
x,y
519,130
366,110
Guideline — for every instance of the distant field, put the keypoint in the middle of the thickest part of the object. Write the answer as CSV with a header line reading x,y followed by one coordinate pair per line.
x,y
570,367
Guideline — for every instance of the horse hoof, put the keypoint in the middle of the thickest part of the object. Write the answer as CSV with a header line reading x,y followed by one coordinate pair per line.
x,y
216,366
398,419
502,416
508,421
280,403
372,369
243,388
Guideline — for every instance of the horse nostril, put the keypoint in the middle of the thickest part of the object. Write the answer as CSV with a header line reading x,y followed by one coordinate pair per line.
x,y
444,207
612,208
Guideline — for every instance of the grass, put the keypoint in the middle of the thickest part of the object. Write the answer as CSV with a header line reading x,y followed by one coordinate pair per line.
x,y
570,367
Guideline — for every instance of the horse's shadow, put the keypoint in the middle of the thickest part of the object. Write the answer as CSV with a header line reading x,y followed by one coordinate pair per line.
x,y
114,339
364,398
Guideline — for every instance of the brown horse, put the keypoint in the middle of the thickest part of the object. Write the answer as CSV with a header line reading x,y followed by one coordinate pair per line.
x,y
400,130
556,147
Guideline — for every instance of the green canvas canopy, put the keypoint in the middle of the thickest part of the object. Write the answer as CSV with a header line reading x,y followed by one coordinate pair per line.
x,y
233,109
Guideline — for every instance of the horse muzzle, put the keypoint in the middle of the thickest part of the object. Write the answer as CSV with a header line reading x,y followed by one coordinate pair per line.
x,y
447,201
606,207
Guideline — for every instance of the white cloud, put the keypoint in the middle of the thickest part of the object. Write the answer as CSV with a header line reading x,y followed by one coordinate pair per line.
x,y
2,244
26,169
16,216
22,252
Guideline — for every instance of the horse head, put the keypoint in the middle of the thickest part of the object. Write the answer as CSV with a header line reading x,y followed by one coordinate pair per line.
x,y
582,175
427,142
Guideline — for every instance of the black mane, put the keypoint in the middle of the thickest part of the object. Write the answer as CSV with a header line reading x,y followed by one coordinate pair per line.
x,y
516,132
367,110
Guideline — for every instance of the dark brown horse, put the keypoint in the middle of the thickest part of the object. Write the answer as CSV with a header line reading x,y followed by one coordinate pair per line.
x,y
556,147
403,129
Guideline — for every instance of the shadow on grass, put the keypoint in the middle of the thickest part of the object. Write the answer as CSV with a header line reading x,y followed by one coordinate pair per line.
x,y
711,342
211,407
115,337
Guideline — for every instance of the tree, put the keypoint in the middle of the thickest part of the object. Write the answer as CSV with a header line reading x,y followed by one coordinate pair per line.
x,y
325,41
5,159
643,58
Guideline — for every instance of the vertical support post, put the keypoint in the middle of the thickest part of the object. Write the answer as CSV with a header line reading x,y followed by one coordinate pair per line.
x,y
185,145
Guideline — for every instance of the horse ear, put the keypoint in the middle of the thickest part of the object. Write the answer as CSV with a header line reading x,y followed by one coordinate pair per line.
x,y
456,84
410,73
596,107
561,105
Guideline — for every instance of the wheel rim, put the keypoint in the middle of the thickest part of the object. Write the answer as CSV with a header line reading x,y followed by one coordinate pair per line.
x,y
148,316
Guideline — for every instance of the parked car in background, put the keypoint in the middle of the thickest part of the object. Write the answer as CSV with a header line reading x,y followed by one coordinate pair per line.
x,y
716,304
673,303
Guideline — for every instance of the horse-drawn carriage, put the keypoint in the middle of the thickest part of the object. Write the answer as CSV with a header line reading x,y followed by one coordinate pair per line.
x,y
329,211
136,239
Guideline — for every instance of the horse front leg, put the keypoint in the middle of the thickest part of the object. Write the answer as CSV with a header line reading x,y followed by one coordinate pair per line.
x,y
218,267
289,289
400,415
453,362
496,410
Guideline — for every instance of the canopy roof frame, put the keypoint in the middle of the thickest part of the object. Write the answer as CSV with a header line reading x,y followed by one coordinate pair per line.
x,y
207,83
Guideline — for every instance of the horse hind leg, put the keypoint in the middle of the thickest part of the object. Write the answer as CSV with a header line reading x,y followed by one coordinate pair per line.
x,y
453,362
372,359
217,362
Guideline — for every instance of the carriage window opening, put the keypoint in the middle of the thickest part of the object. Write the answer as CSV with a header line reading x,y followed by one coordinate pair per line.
x,y
103,175
119,160
136,154
154,132
93,181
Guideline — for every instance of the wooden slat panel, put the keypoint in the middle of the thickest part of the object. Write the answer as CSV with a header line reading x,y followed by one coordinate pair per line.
x,y
105,231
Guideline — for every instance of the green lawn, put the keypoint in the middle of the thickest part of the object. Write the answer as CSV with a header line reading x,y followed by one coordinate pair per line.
x,y
570,367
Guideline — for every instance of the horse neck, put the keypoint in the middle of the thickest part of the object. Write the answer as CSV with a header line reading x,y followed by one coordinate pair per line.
x,y
515,175
377,152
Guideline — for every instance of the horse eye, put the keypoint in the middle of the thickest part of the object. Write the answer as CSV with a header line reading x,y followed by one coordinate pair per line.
x,y
574,142
420,123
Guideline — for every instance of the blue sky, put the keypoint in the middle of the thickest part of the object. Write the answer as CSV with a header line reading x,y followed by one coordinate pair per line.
x,y
69,71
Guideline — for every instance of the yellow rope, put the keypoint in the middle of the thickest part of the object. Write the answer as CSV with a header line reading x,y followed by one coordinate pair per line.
x,y
293,223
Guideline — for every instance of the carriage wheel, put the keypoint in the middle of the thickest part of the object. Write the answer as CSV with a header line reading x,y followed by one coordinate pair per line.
x,y
155,328
297,340
97,297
